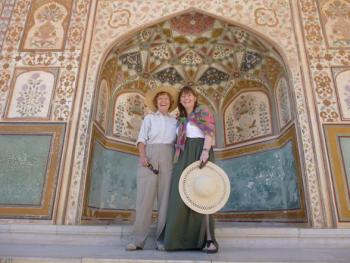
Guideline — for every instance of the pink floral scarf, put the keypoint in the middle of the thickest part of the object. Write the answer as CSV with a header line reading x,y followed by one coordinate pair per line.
x,y
202,118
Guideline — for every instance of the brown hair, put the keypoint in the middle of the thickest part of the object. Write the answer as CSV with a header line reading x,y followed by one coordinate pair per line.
x,y
154,101
184,90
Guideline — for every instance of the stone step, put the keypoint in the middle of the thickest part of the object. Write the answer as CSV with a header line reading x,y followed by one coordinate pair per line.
x,y
85,243
227,233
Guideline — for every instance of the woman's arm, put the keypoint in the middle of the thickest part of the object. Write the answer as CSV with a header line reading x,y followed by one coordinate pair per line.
x,y
142,140
142,150
208,139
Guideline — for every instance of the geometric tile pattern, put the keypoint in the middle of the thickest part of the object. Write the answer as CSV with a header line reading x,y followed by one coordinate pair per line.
x,y
209,54
199,50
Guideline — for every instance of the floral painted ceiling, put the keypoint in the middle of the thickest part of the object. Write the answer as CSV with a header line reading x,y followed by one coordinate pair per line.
x,y
197,50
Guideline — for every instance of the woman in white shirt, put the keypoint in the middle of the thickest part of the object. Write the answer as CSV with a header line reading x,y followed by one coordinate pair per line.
x,y
156,147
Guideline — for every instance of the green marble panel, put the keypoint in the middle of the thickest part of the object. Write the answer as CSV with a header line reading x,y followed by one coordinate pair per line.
x,y
345,149
263,181
23,165
113,179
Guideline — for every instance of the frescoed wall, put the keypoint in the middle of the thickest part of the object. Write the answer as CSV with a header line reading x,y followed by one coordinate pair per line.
x,y
264,68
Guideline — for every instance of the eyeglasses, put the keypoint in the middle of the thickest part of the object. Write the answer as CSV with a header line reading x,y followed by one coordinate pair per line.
x,y
150,166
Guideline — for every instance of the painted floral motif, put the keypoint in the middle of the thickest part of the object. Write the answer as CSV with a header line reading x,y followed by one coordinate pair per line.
x,y
343,92
283,103
323,86
31,99
308,6
132,61
213,76
347,94
102,104
160,52
192,24
266,17
247,117
313,32
64,95
250,60
119,18
208,59
129,112
14,34
222,52
48,30
168,75
6,8
4,77
75,34
191,58
336,15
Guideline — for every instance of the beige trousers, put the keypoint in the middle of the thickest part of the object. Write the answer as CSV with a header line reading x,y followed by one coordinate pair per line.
x,y
151,187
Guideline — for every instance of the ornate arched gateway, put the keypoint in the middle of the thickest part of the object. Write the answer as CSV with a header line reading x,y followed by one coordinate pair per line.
x,y
245,82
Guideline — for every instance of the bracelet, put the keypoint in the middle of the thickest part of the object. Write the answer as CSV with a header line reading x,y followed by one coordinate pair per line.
x,y
205,149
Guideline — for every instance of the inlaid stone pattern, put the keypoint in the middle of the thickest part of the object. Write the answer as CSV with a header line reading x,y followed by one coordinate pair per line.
x,y
129,111
23,161
248,117
32,93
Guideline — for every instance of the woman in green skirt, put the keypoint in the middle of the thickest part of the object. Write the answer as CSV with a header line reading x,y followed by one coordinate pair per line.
x,y
186,229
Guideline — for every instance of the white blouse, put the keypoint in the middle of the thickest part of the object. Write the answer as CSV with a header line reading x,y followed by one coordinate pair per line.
x,y
192,131
157,128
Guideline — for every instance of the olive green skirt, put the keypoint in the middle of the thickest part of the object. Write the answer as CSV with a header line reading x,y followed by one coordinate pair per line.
x,y
185,229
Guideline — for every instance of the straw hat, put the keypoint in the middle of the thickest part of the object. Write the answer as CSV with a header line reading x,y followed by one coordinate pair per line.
x,y
152,93
204,190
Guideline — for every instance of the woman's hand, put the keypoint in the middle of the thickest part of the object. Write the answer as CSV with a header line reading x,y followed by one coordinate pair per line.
x,y
143,160
142,150
204,156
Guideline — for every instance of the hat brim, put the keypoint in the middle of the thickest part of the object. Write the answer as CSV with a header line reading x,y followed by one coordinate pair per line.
x,y
152,93
198,203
